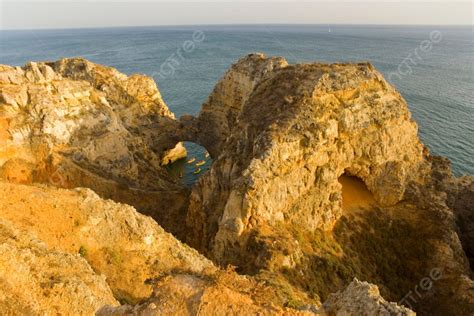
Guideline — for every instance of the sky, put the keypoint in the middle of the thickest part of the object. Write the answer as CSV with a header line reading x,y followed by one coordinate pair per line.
x,y
20,14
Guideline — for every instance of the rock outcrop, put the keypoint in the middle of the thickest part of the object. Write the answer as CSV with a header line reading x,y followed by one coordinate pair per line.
x,y
297,132
73,123
362,298
318,177
272,203
118,242
222,293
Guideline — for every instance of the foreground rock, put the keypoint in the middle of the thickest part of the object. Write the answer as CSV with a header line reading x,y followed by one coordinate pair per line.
x,y
226,294
38,281
73,123
118,242
362,298
94,251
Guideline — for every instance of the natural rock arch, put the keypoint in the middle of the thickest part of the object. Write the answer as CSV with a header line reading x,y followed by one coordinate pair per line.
x,y
281,137
299,129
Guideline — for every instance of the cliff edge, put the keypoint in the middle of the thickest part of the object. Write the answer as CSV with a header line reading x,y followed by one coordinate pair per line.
x,y
318,180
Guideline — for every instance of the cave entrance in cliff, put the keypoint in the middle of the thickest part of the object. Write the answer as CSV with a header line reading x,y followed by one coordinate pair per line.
x,y
355,194
189,169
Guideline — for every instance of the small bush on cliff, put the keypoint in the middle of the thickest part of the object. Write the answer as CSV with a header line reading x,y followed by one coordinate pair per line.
x,y
82,251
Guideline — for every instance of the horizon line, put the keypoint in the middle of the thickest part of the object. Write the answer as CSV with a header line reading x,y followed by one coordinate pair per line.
x,y
236,25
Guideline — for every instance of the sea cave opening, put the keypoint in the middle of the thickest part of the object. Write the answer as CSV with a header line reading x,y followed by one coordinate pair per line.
x,y
355,193
188,170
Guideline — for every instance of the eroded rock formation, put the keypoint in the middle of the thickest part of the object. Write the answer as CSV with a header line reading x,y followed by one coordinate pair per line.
x,y
362,298
296,133
272,202
318,177
220,112
74,123
118,242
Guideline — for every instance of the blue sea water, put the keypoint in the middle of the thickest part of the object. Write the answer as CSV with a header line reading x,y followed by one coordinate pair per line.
x,y
434,66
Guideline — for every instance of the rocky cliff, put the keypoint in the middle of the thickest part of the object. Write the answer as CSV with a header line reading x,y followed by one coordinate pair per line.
x,y
71,252
322,170
118,242
297,132
74,123
318,177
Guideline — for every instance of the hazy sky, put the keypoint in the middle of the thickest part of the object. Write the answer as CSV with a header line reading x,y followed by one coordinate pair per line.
x,y
20,14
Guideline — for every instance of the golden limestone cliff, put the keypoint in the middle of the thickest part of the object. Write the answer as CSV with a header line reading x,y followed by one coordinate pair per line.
x,y
318,180
124,246
74,123
299,130
322,177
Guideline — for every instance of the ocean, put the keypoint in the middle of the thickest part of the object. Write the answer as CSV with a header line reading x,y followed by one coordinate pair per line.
x,y
431,66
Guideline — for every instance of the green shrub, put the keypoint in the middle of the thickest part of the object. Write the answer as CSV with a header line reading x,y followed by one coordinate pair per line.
x,y
83,251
